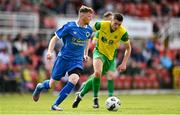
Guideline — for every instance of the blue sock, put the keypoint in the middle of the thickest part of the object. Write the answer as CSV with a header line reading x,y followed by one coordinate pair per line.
x,y
46,84
64,93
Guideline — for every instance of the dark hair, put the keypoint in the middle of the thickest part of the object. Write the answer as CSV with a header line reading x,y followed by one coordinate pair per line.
x,y
85,9
118,16
107,14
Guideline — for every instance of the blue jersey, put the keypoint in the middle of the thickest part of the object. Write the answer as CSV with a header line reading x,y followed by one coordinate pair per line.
x,y
74,39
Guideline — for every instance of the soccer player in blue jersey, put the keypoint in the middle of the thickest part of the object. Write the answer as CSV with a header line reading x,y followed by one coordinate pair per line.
x,y
75,36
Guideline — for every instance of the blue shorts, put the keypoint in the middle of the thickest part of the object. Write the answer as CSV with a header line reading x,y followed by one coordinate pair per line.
x,y
61,66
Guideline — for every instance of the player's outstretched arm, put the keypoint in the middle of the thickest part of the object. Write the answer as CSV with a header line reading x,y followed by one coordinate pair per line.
x,y
122,66
86,51
51,46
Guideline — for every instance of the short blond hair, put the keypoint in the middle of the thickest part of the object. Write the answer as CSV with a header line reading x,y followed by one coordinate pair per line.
x,y
85,9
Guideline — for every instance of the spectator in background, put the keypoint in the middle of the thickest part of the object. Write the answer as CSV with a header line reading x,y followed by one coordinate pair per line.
x,y
19,43
177,58
166,61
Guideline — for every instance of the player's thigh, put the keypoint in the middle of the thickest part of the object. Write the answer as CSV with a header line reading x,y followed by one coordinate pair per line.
x,y
59,69
111,75
98,65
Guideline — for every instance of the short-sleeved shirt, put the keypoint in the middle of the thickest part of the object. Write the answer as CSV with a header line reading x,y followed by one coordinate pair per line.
x,y
107,41
74,38
71,55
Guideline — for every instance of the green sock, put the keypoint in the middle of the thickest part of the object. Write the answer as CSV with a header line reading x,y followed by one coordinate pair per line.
x,y
110,88
96,86
87,86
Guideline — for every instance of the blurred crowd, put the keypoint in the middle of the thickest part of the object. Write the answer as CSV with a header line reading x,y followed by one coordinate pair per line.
x,y
156,10
140,8
22,57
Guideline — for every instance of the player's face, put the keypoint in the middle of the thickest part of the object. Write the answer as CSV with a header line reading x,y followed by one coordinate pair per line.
x,y
115,24
87,17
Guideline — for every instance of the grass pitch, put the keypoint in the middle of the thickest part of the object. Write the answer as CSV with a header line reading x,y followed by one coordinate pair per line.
x,y
131,104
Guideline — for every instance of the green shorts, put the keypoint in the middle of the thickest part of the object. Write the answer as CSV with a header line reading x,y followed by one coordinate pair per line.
x,y
108,65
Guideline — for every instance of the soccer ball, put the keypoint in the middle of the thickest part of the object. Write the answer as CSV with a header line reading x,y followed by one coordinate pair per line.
x,y
112,103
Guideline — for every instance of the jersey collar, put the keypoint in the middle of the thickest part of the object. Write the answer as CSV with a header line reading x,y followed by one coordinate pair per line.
x,y
80,26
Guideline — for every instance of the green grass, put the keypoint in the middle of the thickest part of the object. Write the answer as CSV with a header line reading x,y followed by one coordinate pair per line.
x,y
131,104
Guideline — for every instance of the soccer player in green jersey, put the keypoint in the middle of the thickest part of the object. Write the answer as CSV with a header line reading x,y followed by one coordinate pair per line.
x,y
109,36
111,74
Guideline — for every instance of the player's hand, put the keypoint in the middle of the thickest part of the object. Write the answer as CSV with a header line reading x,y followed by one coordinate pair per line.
x,y
49,55
86,58
121,67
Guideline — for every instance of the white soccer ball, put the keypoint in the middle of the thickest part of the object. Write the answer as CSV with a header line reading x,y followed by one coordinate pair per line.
x,y
112,103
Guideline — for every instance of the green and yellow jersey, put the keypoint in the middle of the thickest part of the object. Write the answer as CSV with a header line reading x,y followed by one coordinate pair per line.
x,y
107,41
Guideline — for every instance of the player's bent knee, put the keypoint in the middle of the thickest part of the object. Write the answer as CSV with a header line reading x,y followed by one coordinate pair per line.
x,y
74,75
111,77
73,78
97,74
